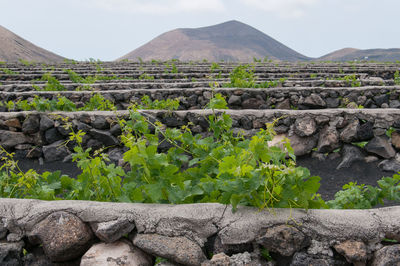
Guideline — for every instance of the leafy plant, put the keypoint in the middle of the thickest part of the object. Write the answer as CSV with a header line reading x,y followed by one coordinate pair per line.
x,y
147,103
397,78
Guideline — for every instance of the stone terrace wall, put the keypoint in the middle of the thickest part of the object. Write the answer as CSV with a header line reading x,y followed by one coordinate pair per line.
x,y
36,232
273,98
320,133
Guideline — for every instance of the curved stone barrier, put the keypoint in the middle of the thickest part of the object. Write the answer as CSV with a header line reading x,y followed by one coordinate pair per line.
x,y
34,232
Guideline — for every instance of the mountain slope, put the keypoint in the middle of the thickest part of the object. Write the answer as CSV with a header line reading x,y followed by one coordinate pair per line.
x,y
13,48
229,41
351,54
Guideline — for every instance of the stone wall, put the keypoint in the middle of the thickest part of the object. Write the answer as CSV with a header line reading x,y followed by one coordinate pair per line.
x,y
350,134
36,232
296,98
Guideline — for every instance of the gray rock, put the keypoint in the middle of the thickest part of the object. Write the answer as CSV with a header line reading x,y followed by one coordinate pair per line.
x,y
63,236
328,140
45,123
100,122
321,120
394,104
387,256
178,249
235,100
81,126
220,259
115,154
118,253
381,146
365,131
3,230
283,239
305,126
113,230
52,135
332,102
94,144
31,124
11,253
116,130
314,101
304,259
240,259
303,146
252,103
381,99
350,154
349,133
13,123
104,136
284,105
9,139
55,151
390,165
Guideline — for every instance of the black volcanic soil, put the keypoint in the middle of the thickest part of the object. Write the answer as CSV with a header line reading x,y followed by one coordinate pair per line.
x,y
332,180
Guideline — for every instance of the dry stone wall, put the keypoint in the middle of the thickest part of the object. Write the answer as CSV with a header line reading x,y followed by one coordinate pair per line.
x,y
36,232
346,133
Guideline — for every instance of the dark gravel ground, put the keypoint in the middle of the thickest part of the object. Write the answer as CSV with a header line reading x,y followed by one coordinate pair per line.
x,y
332,180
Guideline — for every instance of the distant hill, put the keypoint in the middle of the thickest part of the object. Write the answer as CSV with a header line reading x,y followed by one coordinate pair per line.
x,y
351,54
229,41
14,48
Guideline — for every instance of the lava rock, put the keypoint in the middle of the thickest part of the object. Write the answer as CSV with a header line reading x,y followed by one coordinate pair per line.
x,y
314,101
381,146
305,126
9,139
328,140
118,253
390,165
31,124
303,146
252,103
178,249
283,239
100,122
113,230
10,253
350,154
349,133
64,236
389,255
354,251
304,259
55,151
45,123
365,131
104,136
235,100
52,135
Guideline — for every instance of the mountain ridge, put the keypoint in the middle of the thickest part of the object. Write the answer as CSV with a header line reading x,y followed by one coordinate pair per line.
x,y
14,48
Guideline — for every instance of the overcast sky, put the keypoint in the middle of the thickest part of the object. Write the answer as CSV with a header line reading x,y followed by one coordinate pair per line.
x,y
108,29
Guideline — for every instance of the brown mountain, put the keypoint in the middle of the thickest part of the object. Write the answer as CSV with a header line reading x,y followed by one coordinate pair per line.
x,y
351,54
14,48
229,41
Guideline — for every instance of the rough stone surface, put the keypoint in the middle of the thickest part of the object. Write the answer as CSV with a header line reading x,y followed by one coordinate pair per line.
x,y
283,239
220,259
252,103
45,123
178,249
13,122
235,100
52,135
31,124
9,139
381,146
350,154
112,230
387,256
349,133
104,136
328,140
314,101
365,131
354,251
63,236
305,127
118,253
395,139
304,259
391,165
283,105
10,253
303,146
55,151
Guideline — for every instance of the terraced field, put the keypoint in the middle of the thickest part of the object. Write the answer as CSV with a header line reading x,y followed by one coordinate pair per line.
x,y
342,119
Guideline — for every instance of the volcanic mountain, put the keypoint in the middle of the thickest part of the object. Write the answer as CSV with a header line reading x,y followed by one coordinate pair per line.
x,y
351,54
14,48
229,41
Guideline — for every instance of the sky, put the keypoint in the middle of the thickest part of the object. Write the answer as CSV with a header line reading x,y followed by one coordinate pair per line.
x,y
109,29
